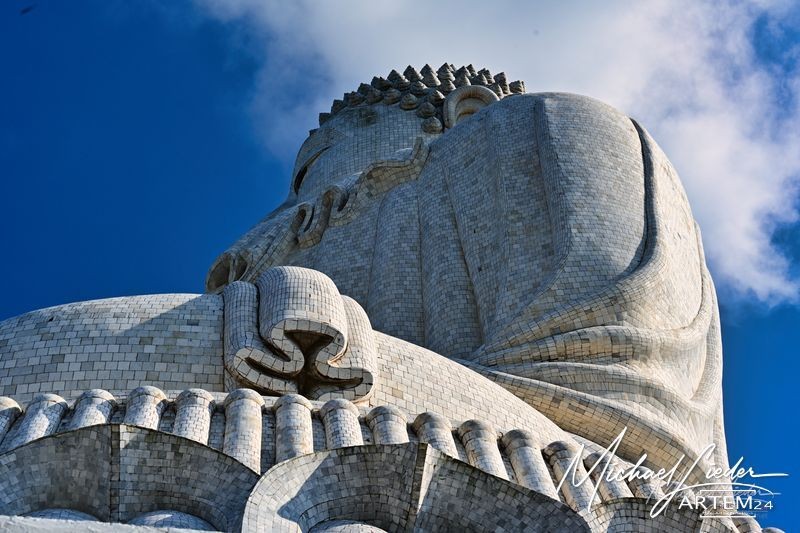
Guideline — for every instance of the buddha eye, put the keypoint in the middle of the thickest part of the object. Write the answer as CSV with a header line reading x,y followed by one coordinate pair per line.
x,y
301,174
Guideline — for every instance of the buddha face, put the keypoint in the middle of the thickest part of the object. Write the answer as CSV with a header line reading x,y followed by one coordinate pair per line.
x,y
333,167
328,165
354,138
347,144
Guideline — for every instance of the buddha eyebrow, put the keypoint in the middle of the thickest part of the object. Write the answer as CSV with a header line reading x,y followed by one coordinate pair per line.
x,y
301,174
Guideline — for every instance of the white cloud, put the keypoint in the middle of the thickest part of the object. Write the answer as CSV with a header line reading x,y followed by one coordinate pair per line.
x,y
686,69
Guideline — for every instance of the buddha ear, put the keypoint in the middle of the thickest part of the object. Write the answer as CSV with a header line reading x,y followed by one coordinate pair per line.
x,y
465,102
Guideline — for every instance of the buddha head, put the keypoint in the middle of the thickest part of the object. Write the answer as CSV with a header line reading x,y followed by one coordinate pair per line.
x,y
371,140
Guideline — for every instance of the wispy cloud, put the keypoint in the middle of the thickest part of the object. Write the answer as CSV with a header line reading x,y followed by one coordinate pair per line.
x,y
688,70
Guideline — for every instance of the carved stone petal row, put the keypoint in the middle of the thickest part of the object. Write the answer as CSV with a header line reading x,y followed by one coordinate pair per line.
x,y
535,463
42,417
403,486
293,321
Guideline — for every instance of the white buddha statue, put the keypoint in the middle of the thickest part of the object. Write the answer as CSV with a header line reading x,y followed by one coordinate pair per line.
x,y
449,244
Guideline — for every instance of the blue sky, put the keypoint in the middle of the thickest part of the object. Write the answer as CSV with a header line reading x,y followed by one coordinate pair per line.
x,y
139,139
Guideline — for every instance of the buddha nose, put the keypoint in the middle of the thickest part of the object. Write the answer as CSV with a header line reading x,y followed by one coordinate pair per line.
x,y
226,269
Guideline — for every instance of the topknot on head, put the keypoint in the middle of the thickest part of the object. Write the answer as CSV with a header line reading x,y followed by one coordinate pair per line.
x,y
433,94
